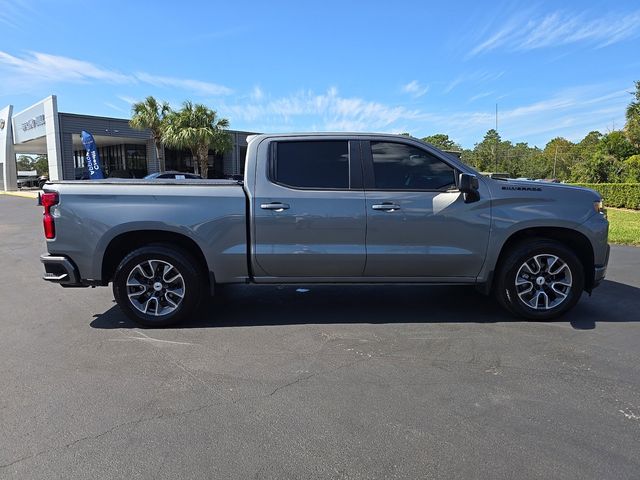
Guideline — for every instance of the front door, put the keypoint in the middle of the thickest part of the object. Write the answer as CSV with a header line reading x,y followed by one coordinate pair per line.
x,y
309,211
417,222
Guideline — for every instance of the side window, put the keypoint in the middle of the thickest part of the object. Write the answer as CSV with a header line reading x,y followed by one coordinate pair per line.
x,y
311,164
397,166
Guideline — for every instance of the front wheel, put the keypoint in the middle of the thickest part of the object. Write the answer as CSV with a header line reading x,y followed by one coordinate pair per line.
x,y
539,279
158,285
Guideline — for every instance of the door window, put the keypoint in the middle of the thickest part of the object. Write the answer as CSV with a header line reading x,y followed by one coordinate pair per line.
x,y
311,164
397,166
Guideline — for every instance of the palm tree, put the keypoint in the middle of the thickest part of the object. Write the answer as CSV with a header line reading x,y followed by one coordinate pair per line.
x,y
197,128
632,127
151,114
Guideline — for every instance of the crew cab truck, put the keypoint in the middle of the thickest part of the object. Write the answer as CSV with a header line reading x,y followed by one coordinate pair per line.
x,y
329,209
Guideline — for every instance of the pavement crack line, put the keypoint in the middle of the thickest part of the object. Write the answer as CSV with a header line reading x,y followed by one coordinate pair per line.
x,y
72,443
322,372
294,382
132,423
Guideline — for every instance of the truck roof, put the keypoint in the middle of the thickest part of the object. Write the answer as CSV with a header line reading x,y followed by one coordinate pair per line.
x,y
327,134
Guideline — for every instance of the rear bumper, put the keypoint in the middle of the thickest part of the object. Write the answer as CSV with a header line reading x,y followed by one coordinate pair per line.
x,y
60,269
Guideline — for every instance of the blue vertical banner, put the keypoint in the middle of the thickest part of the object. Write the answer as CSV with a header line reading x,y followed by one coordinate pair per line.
x,y
92,159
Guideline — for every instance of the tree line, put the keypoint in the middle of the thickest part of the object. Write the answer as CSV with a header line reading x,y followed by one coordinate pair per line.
x,y
598,158
27,163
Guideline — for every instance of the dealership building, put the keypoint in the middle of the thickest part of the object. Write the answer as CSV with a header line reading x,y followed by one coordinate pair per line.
x,y
124,151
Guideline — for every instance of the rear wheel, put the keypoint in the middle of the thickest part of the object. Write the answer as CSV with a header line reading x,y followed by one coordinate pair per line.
x,y
158,285
539,279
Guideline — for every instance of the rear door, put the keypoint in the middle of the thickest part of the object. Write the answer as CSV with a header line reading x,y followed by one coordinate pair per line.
x,y
309,209
418,223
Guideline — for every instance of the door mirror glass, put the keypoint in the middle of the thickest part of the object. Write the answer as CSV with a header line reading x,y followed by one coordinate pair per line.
x,y
468,185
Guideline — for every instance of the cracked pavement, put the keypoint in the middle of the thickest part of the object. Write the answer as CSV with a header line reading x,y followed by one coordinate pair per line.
x,y
334,382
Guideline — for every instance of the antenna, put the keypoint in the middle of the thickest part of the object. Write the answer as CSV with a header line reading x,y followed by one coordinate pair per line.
x,y
495,153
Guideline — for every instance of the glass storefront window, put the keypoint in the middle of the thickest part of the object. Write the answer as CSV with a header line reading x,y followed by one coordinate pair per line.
x,y
121,161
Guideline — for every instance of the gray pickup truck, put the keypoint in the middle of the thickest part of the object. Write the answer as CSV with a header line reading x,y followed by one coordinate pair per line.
x,y
327,209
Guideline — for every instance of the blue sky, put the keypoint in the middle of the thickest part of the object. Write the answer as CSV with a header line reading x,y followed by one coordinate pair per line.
x,y
553,68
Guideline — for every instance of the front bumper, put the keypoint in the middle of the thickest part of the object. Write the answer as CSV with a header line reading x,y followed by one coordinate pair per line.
x,y
60,269
600,271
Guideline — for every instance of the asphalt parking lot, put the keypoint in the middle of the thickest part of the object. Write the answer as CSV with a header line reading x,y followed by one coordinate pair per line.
x,y
334,382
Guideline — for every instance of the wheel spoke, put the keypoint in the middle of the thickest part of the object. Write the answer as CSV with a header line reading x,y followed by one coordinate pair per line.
x,y
138,293
134,282
139,268
551,261
168,299
526,290
528,267
536,259
544,296
173,278
178,292
148,304
559,292
559,269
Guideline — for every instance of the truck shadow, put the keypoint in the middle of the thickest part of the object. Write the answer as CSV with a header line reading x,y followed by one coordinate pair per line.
x,y
243,306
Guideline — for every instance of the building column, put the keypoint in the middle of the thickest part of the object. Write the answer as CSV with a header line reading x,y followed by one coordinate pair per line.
x,y
54,147
68,163
236,154
8,169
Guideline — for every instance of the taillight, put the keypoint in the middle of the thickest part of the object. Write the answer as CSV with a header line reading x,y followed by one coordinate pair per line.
x,y
48,200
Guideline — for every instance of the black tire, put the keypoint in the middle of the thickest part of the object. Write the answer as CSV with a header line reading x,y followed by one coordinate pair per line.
x,y
515,298
191,284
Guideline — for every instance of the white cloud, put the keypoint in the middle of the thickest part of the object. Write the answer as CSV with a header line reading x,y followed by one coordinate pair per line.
x,y
63,69
478,77
324,111
117,108
453,84
563,113
480,95
415,89
257,93
127,99
195,86
561,28
38,68
14,14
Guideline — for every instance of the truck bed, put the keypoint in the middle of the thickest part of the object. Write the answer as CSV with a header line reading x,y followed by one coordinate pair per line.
x,y
94,215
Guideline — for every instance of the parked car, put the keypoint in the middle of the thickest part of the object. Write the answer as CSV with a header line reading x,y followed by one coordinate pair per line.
x,y
121,174
327,208
27,179
172,174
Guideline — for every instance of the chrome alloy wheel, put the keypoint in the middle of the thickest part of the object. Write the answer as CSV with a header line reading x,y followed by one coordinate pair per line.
x,y
543,282
155,287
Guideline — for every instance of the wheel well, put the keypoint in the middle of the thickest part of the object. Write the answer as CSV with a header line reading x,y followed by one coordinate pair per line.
x,y
125,243
576,241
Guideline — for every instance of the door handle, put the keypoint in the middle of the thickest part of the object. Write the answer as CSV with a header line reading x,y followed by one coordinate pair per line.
x,y
386,207
275,206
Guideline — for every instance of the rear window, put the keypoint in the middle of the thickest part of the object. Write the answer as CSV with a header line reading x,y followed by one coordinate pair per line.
x,y
311,164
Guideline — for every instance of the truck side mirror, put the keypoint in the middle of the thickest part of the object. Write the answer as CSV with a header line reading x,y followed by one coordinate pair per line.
x,y
468,185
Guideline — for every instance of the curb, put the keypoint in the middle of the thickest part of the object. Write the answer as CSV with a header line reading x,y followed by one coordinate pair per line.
x,y
22,194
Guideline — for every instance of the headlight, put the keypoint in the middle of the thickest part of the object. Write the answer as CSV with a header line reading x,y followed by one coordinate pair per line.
x,y
599,208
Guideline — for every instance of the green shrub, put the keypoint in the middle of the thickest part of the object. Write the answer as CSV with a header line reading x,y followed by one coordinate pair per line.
x,y
617,195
